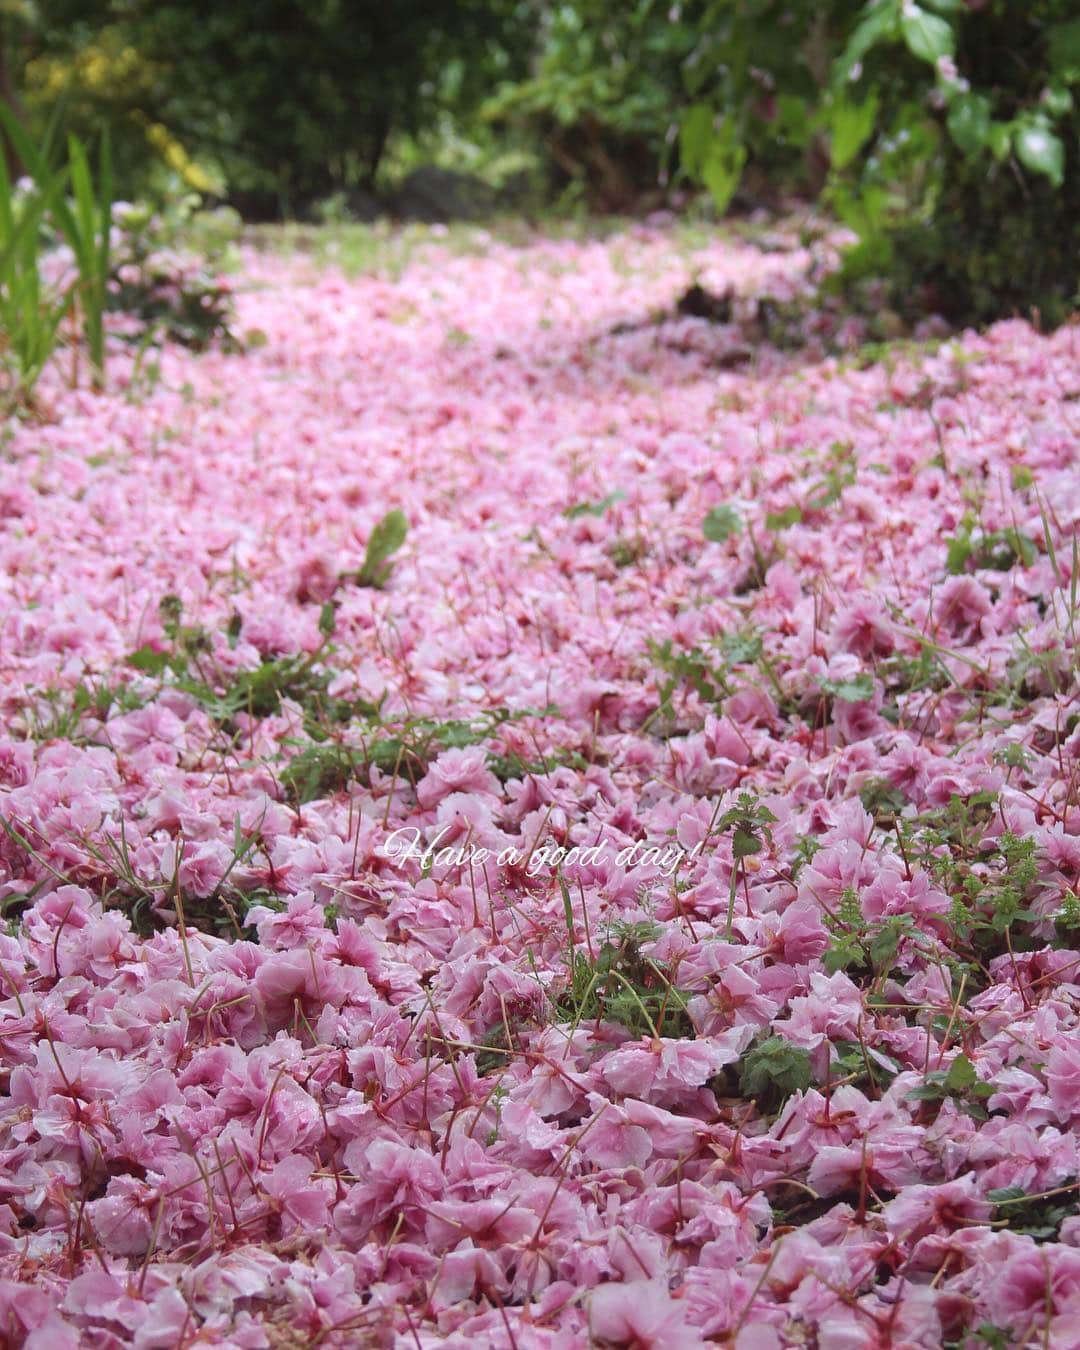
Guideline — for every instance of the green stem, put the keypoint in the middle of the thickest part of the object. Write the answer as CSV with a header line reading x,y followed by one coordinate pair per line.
x,y
731,899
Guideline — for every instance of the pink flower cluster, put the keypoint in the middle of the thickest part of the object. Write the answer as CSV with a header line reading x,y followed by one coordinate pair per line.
x,y
263,1087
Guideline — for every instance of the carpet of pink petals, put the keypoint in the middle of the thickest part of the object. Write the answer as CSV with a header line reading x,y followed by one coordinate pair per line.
x,y
292,1135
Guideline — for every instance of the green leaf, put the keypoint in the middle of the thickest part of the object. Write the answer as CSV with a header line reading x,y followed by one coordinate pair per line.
x,y
857,690
1063,47
328,619
723,165
879,24
712,153
929,1092
386,538
744,844
883,947
721,523
969,122
961,1074
149,660
781,520
975,1111
794,123
1000,1193
1038,149
999,138
1057,100
695,137
994,1338
928,37
852,125
1039,1216
580,509
774,1070
841,955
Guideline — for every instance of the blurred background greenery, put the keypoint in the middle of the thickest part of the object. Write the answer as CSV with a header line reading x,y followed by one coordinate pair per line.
x,y
943,133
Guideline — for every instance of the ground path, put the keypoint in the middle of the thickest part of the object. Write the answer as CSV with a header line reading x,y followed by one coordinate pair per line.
x,y
266,1082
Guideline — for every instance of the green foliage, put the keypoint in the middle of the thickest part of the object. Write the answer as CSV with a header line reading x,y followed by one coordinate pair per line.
x,y
1068,920
994,550
859,689
620,983
783,520
708,681
952,134
86,228
748,822
995,1338
991,905
990,882
599,508
771,1071
838,471
61,715
852,125
708,673
861,1069
883,801
403,748
385,540
173,293
961,1083
605,88
320,769
721,523
714,152
508,765
861,946
302,677
1038,1216
287,101
325,762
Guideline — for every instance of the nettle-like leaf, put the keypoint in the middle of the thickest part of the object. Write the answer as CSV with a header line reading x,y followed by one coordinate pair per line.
x,y
746,819
961,1074
960,1082
773,1070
